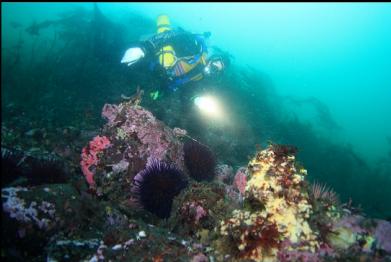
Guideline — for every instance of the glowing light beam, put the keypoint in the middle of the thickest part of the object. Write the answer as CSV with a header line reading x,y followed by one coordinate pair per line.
x,y
208,105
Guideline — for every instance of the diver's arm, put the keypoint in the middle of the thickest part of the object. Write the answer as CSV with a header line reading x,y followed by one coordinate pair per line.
x,y
147,49
143,50
165,38
158,41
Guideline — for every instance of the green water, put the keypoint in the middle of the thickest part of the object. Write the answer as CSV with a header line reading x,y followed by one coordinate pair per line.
x,y
313,75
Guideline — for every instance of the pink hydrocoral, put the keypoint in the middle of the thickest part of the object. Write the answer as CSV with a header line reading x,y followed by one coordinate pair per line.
x,y
89,156
240,180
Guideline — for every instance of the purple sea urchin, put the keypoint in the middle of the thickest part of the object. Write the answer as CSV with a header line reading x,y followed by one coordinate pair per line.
x,y
157,185
199,160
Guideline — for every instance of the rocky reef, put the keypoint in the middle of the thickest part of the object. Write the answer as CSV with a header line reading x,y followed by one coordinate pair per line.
x,y
278,221
143,200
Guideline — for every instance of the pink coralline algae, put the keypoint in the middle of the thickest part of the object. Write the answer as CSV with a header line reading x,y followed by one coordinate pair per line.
x,y
179,132
286,255
240,180
154,140
200,258
303,256
224,174
136,138
120,167
110,113
194,212
352,222
89,156
200,213
155,143
234,196
383,235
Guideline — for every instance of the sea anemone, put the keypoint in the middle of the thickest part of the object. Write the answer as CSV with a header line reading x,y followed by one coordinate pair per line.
x,y
322,192
156,186
199,160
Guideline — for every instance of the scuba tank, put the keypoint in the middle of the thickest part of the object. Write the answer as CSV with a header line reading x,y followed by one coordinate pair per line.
x,y
166,54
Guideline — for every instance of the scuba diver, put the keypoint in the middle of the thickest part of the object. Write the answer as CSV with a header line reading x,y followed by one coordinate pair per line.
x,y
177,57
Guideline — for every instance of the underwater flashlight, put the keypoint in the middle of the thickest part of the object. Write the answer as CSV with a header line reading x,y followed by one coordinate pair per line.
x,y
208,105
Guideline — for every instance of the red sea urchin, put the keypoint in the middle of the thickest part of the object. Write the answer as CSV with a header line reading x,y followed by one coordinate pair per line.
x,y
199,160
37,170
156,186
